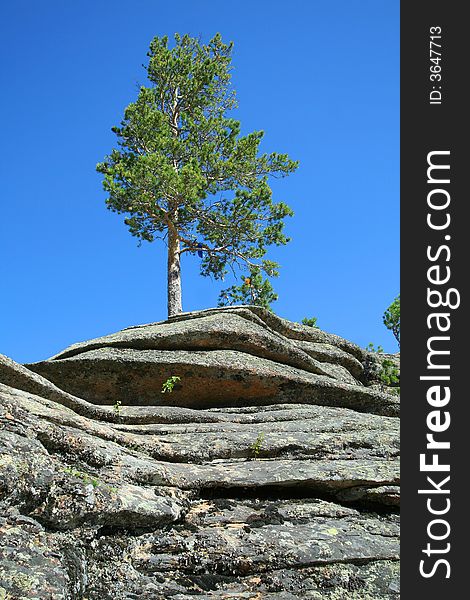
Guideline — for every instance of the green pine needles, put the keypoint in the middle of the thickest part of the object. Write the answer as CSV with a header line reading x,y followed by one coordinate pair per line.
x,y
310,322
254,289
184,174
391,318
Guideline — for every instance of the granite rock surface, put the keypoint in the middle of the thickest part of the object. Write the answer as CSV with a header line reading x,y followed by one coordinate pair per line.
x,y
271,470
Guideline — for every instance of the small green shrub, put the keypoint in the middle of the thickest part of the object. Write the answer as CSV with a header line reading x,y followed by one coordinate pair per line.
x,y
256,445
389,375
83,476
371,348
170,383
310,322
117,407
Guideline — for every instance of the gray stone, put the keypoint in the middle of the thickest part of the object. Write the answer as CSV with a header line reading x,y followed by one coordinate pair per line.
x,y
220,331
207,379
289,329
330,354
270,471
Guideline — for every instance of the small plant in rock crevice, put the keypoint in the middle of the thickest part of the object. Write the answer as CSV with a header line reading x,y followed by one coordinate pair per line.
x,y
389,375
87,479
371,348
310,322
256,446
169,385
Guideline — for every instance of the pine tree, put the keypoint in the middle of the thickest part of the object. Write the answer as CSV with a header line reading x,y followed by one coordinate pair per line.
x,y
185,175
391,318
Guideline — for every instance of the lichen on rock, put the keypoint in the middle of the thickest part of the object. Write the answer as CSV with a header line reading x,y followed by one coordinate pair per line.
x,y
164,497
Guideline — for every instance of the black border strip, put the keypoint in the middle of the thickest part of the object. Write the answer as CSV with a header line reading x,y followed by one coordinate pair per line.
x,y
426,128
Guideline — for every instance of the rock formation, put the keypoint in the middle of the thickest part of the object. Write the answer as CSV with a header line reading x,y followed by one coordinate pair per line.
x,y
269,471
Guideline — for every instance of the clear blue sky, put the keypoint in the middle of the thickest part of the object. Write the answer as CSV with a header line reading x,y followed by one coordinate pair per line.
x,y
321,78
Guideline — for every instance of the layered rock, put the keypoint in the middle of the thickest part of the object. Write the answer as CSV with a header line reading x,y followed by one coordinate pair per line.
x,y
270,471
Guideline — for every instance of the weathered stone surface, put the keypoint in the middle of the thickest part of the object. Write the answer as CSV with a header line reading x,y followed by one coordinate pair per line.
x,y
118,460
220,331
298,438
289,329
64,497
378,364
19,378
215,378
259,476
31,562
389,494
330,354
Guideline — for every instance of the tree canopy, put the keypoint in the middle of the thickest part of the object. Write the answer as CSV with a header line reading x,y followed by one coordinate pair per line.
x,y
391,318
183,173
254,289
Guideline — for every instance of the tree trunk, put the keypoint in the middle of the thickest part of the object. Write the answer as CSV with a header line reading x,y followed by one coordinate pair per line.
x,y
174,275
